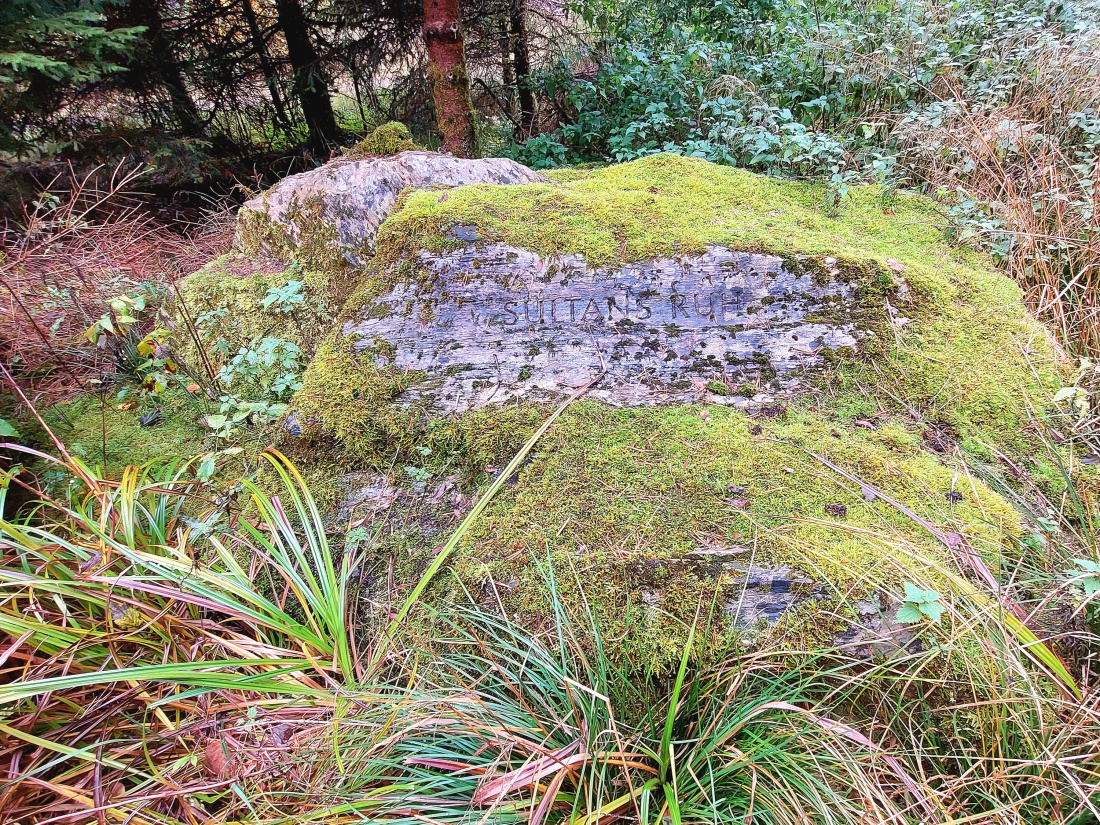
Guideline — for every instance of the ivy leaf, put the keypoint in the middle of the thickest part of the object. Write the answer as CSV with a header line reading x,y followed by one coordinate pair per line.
x,y
909,614
7,430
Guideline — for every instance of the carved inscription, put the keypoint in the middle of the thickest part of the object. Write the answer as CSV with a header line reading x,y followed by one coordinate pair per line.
x,y
504,322
547,308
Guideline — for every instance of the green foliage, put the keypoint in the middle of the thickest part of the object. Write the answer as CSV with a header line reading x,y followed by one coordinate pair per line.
x,y
262,377
50,49
122,316
269,367
789,88
284,298
920,604
992,106
7,430
1088,574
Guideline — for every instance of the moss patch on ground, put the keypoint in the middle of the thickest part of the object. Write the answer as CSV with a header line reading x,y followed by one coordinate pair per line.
x,y
105,436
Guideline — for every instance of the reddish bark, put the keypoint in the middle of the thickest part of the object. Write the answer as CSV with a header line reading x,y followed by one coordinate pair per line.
x,y
447,74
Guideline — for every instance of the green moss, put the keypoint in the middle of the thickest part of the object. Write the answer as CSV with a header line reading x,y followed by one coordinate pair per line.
x,y
108,437
718,388
618,501
223,304
350,397
353,396
387,139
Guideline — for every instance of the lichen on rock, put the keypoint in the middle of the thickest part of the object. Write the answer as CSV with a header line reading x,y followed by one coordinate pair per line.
x,y
345,202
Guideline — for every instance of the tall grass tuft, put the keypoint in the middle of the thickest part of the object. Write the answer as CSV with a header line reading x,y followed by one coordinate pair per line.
x,y
171,658
138,613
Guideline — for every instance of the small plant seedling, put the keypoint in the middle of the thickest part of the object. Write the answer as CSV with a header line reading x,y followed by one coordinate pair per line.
x,y
920,604
418,474
209,464
1048,525
355,536
123,314
284,298
1088,574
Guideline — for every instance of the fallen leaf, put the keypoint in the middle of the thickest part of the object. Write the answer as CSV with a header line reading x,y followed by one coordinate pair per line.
x,y
216,759
895,265
739,503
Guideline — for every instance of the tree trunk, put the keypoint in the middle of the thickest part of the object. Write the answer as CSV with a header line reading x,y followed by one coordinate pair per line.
x,y
272,80
521,58
309,84
157,62
447,74
507,70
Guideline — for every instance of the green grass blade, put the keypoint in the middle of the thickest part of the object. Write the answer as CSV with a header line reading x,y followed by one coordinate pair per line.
x,y
452,542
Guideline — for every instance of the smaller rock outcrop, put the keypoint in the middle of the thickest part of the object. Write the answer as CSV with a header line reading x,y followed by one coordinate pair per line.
x,y
348,200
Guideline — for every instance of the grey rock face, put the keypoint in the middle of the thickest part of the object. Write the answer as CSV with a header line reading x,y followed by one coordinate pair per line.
x,y
355,197
506,323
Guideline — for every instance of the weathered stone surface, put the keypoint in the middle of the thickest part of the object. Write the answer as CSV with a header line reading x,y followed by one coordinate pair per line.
x,y
355,196
505,323
649,511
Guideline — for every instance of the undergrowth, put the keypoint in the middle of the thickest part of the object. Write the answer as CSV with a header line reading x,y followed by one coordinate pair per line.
x,y
176,658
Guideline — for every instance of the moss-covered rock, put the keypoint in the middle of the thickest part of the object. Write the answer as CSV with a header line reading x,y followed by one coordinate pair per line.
x,y
237,299
387,139
657,513
960,353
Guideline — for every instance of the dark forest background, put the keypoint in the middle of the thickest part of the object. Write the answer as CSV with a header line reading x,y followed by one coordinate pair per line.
x,y
991,107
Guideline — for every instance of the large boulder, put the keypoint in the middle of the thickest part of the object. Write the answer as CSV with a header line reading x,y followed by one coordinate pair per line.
x,y
784,401
786,414
345,201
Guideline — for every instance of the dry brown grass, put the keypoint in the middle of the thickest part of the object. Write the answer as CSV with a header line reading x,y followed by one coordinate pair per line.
x,y
86,241
1029,159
